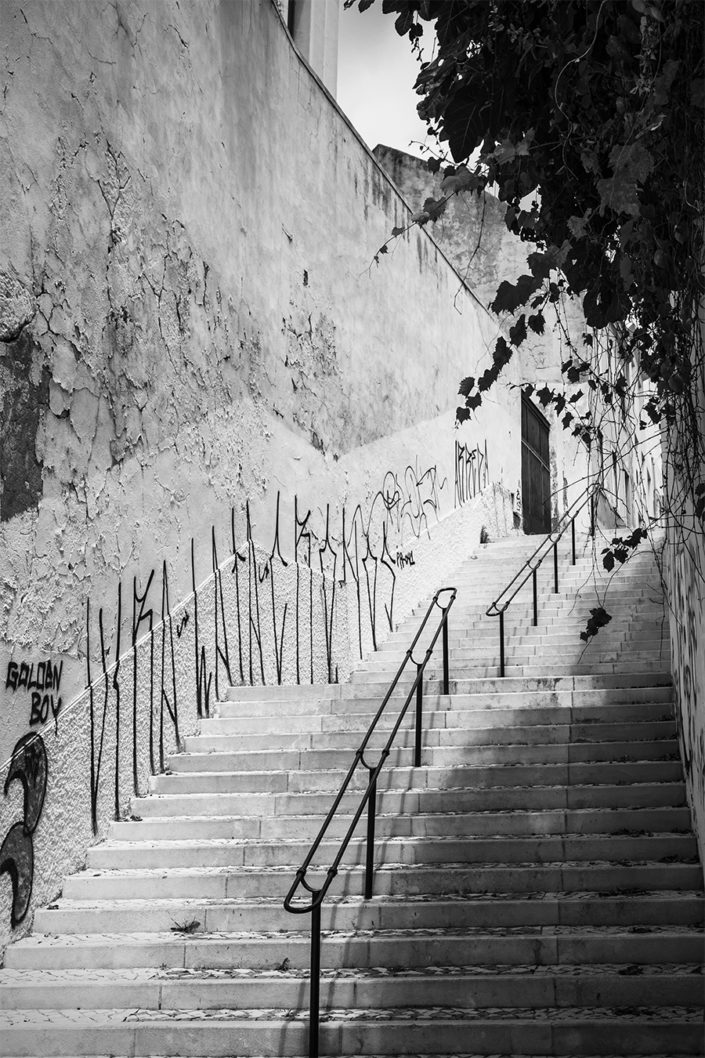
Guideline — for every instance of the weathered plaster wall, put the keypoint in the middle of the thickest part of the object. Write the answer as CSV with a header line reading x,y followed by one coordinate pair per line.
x,y
195,346
473,233
683,565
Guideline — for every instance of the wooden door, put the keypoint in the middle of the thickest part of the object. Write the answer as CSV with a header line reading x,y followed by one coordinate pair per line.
x,y
535,470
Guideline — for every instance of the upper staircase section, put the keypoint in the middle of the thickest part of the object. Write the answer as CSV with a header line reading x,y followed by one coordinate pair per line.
x,y
635,640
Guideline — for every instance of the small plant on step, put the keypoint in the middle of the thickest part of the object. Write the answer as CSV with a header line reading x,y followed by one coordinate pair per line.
x,y
186,928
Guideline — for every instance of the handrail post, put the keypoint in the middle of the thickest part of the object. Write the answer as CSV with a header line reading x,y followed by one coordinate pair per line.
x,y
572,528
419,715
536,600
501,642
555,567
315,982
370,860
445,657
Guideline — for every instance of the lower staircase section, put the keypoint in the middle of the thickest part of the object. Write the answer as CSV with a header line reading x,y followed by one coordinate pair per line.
x,y
537,889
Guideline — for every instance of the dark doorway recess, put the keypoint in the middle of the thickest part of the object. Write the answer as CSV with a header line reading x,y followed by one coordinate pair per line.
x,y
535,470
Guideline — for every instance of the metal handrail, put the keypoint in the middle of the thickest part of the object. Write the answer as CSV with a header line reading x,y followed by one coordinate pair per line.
x,y
549,543
369,798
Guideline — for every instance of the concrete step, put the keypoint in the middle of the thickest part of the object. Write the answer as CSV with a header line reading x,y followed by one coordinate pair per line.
x,y
518,664
488,799
458,987
235,852
482,685
426,879
526,643
521,823
465,776
269,1032
436,736
319,726
432,756
658,908
565,945
550,702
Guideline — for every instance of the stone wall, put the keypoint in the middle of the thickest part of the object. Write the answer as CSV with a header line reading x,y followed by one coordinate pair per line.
x,y
217,410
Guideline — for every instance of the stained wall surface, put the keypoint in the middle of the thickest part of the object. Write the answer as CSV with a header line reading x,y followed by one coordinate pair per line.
x,y
220,417
684,558
473,233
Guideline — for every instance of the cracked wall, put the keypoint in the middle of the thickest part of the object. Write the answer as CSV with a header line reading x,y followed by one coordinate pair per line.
x,y
191,326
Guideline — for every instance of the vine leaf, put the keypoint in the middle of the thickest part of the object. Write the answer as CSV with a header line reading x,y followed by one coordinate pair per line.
x,y
631,165
597,620
517,333
537,322
510,296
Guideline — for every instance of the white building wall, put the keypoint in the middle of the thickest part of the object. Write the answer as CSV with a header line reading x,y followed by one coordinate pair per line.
x,y
202,366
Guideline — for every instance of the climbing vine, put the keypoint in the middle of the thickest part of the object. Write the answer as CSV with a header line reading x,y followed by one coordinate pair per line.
x,y
586,118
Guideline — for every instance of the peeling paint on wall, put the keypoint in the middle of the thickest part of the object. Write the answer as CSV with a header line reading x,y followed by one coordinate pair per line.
x,y
24,390
17,307
683,576
188,333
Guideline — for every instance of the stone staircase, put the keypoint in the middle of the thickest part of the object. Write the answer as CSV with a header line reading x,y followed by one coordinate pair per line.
x,y
537,889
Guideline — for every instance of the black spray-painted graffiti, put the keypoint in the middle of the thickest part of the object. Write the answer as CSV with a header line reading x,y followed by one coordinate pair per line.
x,y
29,767
162,705
403,505
134,716
472,472
404,559
42,682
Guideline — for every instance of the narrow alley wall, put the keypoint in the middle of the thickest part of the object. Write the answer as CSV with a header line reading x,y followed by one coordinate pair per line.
x,y
226,433
473,233
684,566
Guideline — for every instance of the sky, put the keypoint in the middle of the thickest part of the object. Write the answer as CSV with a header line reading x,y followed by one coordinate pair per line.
x,y
376,72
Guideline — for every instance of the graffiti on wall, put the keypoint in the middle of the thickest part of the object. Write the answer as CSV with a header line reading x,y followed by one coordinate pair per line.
x,y
472,472
37,683
108,723
246,642
257,616
29,767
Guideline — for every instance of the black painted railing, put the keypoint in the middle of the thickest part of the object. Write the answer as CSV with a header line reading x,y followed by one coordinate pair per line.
x,y
300,884
531,566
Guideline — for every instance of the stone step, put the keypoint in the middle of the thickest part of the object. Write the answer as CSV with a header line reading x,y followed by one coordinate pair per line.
x,y
459,987
282,1032
565,945
319,726
466,776
234,852
599,704
471,601
488,799
472,732
657,733
244,883
275,693
530,645
659,908
583,821
517,664
432,756
521,615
